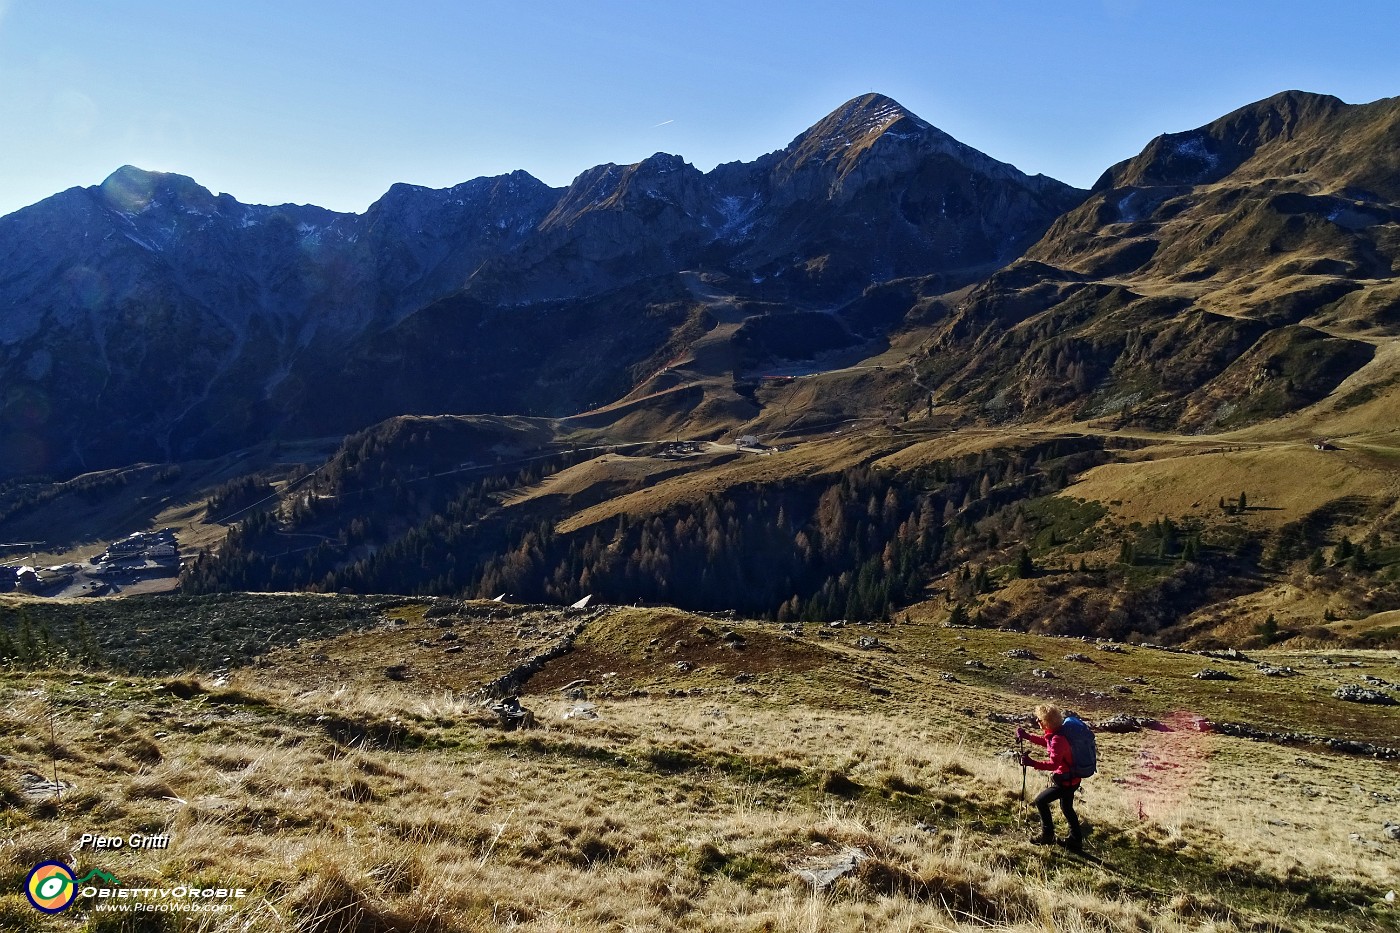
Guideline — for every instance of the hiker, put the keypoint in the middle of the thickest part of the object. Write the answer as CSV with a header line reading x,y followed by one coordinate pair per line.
x,y
1064,777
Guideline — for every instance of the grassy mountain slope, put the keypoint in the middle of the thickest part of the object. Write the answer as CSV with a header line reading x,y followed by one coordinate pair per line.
x,y
1226,275
346,800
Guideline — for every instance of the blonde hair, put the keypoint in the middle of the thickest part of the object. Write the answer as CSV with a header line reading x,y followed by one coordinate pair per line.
x,y
1050,715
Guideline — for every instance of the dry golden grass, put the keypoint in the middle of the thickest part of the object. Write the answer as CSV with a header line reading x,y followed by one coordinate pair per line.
x,y
1282,482
804,460
396,807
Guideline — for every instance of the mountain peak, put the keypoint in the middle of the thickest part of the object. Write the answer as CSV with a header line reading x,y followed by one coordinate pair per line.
x,y
871,113
859,122
1208,153
132,190
848,132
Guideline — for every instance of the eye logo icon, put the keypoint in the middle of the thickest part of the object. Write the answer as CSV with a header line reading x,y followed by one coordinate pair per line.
x,y
51,887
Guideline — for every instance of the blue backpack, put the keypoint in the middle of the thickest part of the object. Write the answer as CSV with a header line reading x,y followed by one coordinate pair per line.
x,y
1082,746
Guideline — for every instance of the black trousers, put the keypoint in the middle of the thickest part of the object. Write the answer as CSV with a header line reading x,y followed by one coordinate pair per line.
x,y
1065,795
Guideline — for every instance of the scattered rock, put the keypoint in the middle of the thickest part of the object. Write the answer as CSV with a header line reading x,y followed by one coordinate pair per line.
x,y
948,678
1047,674
1109,646
1012,719
511,683
1076,656
821,873
455,649
37,787
583,711
868,643
1024,654
512,715
1392,831
1211,673
1356,694
1125,723
1120,688
683,666
1229,654
743,678
705,631
975,664
1269,670
1344,746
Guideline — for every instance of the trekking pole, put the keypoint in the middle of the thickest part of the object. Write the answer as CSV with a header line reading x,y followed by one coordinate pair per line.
x,y
1020,752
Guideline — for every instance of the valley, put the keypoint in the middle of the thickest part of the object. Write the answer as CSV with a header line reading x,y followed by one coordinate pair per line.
x,y
854,452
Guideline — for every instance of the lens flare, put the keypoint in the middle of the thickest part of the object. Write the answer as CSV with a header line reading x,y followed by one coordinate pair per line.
x,y
1165,772
129,190
87,288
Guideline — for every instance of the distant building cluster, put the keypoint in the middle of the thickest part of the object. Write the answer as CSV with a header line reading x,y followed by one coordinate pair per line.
x,y
27,579
139,550
141,556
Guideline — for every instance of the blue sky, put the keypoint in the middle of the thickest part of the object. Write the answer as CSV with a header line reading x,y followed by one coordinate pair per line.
x,y
332,102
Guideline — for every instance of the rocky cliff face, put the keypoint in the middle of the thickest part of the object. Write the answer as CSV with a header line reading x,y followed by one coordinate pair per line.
x,y
146,318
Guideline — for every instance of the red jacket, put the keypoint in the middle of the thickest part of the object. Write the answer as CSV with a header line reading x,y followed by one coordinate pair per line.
x,y
1061,758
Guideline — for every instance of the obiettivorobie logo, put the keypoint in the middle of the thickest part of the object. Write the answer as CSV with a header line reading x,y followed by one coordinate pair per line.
x,y
51,886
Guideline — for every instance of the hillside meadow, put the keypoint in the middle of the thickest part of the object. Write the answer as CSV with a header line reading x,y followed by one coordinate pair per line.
x,y
685,771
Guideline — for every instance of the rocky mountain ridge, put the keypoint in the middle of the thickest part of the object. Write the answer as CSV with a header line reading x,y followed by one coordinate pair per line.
x,y
146,318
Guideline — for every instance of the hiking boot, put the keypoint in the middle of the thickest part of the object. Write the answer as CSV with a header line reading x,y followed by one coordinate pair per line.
x,y
1044,839
1074,843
